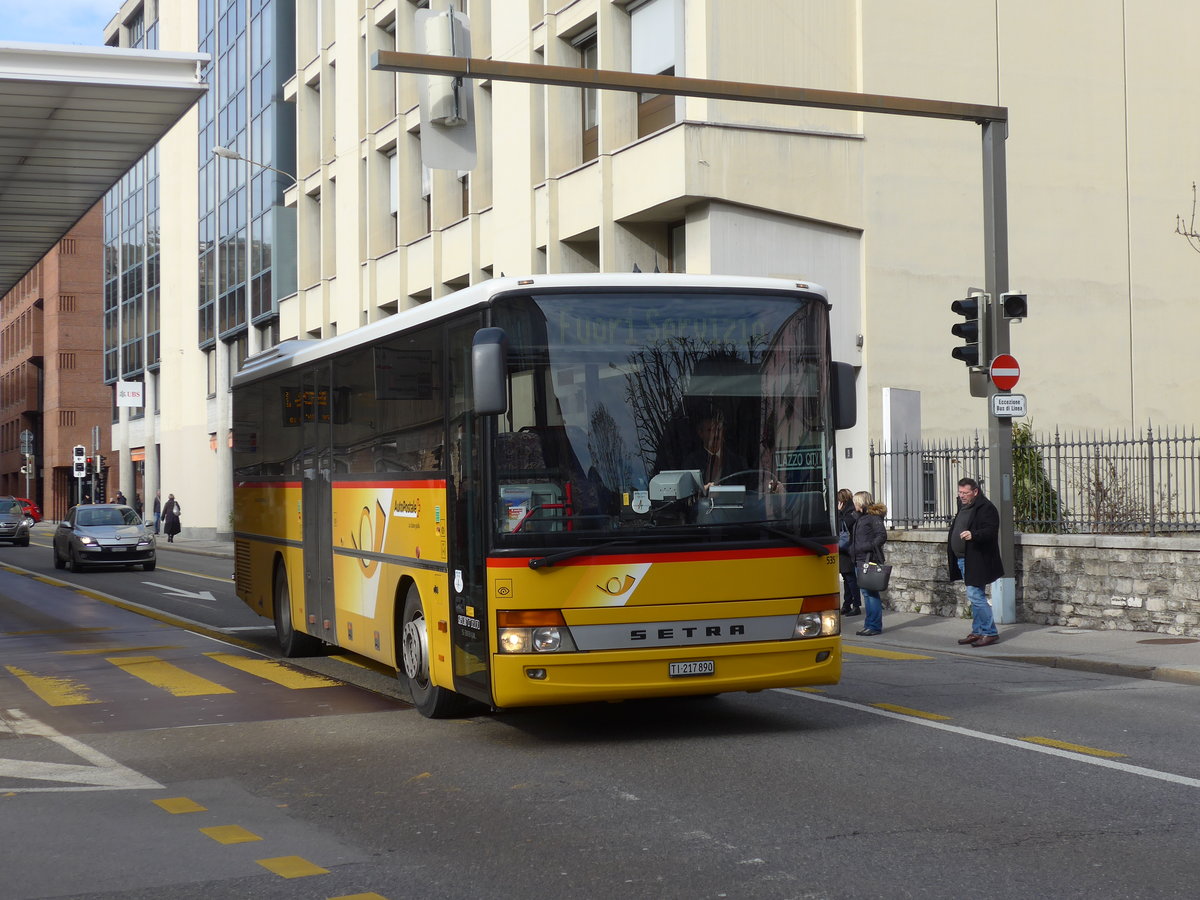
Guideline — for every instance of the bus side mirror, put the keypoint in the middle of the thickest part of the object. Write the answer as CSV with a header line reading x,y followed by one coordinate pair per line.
x,y
845,403
489,362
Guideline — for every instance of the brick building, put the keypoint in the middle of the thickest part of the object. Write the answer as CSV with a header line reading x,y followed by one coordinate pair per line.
x,y
51,368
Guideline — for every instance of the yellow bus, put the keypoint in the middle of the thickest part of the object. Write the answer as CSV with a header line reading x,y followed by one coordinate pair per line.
x,y
553,490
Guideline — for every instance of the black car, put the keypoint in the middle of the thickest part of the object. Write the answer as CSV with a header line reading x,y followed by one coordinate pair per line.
x,y
14,522
103,534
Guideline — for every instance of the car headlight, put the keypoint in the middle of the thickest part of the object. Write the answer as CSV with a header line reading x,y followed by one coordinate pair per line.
x,y
87,540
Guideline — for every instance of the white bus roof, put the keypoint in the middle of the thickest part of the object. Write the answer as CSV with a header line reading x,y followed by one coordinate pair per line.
x,y
299,351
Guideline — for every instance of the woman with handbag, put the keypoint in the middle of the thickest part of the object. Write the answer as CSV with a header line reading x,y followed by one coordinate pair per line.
x,y
847,515
870,534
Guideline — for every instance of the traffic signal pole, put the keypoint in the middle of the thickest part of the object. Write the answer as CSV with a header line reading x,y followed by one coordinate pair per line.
x,y
992,119
995,262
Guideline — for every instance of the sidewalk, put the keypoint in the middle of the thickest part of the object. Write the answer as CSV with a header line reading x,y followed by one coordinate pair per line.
x,y
1133,654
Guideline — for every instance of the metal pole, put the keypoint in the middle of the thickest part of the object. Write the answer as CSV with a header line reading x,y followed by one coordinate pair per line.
x,y
1000,466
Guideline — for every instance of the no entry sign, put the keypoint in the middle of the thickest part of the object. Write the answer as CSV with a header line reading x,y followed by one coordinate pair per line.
x,y
1005,372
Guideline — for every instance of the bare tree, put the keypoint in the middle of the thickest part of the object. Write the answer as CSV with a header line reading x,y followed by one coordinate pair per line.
x,y
1188,229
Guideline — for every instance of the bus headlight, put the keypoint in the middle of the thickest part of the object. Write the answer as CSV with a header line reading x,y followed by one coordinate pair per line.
x,y
826,623
533,631
546,640
543,639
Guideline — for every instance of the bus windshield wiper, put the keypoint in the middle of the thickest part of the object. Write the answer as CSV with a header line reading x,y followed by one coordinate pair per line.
x,y
543,561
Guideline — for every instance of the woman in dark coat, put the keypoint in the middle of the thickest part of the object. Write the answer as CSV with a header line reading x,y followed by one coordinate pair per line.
x,y
847,516
170,515
870,534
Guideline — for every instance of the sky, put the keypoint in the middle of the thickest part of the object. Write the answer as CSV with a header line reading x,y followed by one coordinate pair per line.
x,y
56,21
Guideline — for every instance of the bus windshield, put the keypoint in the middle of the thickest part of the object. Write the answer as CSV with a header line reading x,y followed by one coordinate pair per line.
x,y
697,416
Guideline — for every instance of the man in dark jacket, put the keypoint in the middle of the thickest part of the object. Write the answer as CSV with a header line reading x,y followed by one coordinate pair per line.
x,y
973,554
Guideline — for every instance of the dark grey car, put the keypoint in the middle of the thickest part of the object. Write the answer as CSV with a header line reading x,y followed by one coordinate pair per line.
x,y
103,534
14,522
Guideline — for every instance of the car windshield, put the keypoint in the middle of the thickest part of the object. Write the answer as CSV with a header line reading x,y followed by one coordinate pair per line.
x,y
90,518
672,416
10,507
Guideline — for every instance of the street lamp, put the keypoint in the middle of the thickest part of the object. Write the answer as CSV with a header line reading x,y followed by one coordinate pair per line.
x,y
226,153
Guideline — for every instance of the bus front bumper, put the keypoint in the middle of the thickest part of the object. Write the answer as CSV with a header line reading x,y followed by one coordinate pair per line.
x,y
529,679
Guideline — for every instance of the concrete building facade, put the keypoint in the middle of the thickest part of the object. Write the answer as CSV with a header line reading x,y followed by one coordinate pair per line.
x,y
885,212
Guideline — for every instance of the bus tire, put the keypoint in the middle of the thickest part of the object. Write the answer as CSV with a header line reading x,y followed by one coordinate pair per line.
x,y
292,643
431,701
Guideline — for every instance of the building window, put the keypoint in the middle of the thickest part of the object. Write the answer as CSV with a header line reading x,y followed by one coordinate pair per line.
x,y
464,188
653,51
427,196
589,58
677,247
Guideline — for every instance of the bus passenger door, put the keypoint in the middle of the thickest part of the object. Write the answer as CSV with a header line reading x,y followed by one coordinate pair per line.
x,y
468,595
317,500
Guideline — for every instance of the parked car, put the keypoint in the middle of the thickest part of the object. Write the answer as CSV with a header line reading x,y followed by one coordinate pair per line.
x,y
14,522
35,511
103,534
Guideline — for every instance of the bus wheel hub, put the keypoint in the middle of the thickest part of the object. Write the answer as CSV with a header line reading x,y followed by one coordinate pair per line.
x,y
415,650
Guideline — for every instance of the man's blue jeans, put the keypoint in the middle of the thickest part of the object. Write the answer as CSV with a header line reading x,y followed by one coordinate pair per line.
x,y
981,611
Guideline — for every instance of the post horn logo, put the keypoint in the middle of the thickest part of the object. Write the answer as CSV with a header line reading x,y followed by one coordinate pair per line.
x,y
616,586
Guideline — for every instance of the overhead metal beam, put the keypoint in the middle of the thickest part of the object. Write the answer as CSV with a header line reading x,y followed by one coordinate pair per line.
x,y
567,76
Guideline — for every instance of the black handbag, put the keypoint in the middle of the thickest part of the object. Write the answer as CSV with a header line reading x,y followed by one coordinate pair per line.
x,y
874,576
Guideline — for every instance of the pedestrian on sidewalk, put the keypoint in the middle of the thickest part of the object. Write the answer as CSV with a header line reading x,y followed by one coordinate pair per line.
x,y
170,517
870,534
973,554
847,516
157,510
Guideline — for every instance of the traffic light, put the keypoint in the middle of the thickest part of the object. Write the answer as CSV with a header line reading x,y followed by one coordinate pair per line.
x,y
80,459
26,470
973,329
1015,306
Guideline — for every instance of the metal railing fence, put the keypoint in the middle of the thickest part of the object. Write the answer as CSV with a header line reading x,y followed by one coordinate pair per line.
x,y
1086,482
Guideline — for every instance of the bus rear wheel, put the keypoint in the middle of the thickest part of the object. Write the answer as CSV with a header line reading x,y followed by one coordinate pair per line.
x,y
292,643
430,700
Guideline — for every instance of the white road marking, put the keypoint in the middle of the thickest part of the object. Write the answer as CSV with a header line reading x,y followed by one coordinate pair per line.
x,y
181,593
103,773
997,739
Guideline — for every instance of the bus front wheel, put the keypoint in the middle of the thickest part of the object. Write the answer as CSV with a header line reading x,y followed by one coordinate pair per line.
x,y
292,643
430,700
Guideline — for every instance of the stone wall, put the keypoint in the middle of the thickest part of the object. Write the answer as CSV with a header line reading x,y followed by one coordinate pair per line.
x,y
1130,583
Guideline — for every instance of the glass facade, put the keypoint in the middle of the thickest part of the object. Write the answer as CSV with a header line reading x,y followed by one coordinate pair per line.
x,y
131,257
242,217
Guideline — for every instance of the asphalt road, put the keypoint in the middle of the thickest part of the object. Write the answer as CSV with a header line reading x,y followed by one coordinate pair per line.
x,y
932,776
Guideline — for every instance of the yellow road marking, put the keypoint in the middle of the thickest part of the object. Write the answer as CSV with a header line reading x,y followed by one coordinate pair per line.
x,y
371,896
291,866
54,631
1076,748
98,650
274,671
54,691
905,711
170,678
230,834
882,654
176,805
